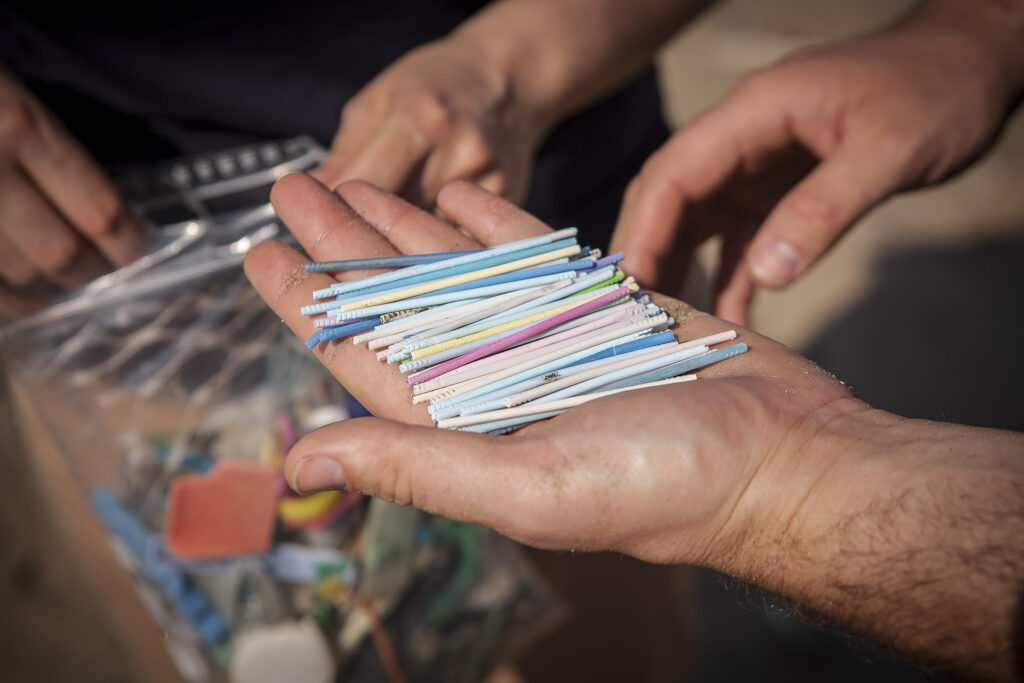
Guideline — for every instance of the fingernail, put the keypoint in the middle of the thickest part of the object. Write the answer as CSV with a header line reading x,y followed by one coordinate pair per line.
x,y
774,263
315,474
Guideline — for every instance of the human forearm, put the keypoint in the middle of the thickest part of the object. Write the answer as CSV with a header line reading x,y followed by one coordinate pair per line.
x,y
559,55
992,29
906,531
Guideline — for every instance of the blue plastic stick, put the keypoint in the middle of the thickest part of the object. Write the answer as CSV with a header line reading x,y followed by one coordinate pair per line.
x,y
341,331
390,287
496,400
538,370
612,377
509,424
175,584
655,339
435,299
582,283
383,262
681,368
349,294
412,271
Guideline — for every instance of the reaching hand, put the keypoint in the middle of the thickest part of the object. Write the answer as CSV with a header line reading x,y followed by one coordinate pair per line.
x,y
901,109
667,474
57,207
438,114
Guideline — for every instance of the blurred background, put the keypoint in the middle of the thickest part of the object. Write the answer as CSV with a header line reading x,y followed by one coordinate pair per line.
x,y
899,311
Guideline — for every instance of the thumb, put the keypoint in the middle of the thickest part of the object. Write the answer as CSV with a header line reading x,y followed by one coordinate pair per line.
x,y
469,477
816,213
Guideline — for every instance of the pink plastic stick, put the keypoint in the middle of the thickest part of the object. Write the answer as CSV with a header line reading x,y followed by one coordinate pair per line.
x,y
603,321
513,339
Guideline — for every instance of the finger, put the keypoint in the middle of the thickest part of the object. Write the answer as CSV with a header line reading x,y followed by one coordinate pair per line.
x,y
490,219
691,166
497,183
410,229
65,173
40,233
734,287
389,159
465,155
468,477
326,227
277,273
733,300
816,213
349,141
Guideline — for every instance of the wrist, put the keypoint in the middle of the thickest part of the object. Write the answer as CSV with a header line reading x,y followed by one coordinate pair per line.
x,y
528,79
783,503
991,32
906,531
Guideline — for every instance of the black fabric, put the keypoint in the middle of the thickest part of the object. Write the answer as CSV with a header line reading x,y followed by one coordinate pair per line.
x,y
139,82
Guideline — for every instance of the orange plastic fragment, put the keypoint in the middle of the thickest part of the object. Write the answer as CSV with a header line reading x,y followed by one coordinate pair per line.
x,y
230,511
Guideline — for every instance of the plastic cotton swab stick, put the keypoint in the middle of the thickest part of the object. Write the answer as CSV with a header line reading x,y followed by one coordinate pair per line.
x,y
623,373
514,313
453,273
519,336
563,404
546,363
383,262
435,299
510,424
613,333
499,360
690,365
639,364
439,314
412,271
499,338
496,399
480,369
584,282
418,352
459,319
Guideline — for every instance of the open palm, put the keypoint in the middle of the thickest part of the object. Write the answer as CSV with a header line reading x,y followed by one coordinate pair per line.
x,y
667,474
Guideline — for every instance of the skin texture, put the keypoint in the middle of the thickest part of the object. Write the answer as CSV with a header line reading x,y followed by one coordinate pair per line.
x,y
52,229
766,468
797,152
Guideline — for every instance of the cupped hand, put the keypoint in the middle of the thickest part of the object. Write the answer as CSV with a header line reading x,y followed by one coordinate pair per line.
x,y
441,113
61,219
670,474
796,153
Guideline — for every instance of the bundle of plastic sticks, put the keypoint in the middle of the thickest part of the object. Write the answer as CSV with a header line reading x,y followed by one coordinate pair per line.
x,y
494,339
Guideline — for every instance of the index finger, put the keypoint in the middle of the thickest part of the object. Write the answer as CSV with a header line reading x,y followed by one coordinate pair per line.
x,y
80,190
691,166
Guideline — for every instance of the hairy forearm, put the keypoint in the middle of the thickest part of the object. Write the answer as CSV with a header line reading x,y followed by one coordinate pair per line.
x,y
562,54
905,531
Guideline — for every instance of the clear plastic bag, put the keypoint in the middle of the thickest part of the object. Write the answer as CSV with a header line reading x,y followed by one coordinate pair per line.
x,y
153,377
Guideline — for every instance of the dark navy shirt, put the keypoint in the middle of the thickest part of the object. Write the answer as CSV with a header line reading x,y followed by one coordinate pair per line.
x,y
138,82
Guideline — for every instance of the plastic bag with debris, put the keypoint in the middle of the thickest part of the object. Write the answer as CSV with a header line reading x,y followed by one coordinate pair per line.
x,y
174,393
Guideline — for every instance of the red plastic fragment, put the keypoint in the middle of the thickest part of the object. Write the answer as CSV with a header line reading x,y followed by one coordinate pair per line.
x,y
228,512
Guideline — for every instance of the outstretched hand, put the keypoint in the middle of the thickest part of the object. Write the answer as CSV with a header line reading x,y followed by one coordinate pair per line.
x,y
796,153
670,474
441,113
